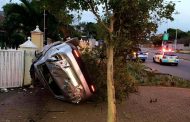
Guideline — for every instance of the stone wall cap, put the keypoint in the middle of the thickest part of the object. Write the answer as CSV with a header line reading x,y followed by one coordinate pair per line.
x,y
37,29
28,44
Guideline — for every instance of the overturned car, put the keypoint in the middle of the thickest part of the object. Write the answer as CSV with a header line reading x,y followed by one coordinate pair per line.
x,y
61,70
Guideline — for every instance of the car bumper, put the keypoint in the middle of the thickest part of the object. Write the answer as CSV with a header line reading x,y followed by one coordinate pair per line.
x,y
143,57
170,61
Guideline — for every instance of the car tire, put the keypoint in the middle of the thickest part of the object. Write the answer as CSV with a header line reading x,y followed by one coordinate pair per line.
x,y
176,64
143,60
161,62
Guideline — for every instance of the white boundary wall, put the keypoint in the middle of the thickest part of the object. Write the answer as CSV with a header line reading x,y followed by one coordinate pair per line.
x,y
11,68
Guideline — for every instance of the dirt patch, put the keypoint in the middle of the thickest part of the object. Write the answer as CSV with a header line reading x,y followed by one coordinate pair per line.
x,y
150,104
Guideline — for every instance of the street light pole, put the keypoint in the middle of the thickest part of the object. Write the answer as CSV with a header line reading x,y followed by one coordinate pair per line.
x,y
175,41
44,24
44,21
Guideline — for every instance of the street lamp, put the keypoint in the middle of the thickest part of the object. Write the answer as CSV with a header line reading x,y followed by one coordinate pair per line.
x,y
44,24
44,13
175,41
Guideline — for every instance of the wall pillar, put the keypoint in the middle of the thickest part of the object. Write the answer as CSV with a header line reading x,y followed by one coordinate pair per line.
x,y
37,38
29,54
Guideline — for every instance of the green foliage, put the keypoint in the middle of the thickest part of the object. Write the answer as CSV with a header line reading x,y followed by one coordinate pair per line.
x,y
61,10
157,40
123,81
24,17
137,20
17,39
19,18
180,33
127,76
97,71
146,77
91,30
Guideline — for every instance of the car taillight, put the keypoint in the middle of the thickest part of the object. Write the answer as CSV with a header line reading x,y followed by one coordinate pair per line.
x,y
76,53
92,88
164,57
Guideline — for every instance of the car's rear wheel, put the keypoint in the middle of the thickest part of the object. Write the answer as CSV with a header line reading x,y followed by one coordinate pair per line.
x,y
176,64
161,61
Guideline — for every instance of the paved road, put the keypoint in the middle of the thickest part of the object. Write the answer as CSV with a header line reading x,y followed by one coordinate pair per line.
x,y
38,105
182,70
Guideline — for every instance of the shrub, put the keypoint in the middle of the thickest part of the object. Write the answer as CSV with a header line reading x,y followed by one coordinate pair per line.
x,y
124,83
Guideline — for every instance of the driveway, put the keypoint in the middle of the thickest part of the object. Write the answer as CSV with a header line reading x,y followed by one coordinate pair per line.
x,y
150,104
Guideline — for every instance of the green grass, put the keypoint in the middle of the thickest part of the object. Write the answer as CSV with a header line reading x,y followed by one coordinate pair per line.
x,y
149,78
183,51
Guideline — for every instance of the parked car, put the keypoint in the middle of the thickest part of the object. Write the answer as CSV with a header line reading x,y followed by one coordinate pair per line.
x,y
61,70
166,57
137,53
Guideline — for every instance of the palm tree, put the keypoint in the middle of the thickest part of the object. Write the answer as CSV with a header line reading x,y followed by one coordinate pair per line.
x,y
21,19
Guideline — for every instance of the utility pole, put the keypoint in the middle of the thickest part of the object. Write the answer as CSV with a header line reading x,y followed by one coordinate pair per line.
x,y
44,24
175,41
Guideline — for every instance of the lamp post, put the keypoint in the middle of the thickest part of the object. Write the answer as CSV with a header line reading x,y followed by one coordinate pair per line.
x,y
44,24
44,13
175,41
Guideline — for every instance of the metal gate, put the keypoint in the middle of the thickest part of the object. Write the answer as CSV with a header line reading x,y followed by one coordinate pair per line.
x,y
11,68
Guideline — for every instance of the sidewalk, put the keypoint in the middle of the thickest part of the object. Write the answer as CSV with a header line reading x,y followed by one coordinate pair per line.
x,y
151,104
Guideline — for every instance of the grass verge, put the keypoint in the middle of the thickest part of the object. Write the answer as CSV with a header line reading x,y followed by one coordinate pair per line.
x,y
151,78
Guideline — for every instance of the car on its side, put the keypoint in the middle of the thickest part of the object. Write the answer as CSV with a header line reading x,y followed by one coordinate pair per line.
x,y
166,57
61,70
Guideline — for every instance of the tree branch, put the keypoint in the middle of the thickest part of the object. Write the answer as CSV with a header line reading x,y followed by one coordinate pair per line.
x,y
106,6
90,3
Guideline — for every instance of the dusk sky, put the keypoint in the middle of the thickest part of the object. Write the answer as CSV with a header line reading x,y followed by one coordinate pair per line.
x,y
181,20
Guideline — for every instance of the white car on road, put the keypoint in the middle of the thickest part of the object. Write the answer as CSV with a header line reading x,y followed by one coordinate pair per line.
x,y
166,57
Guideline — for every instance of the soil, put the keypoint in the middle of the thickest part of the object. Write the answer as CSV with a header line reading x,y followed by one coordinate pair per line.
x,y
150,104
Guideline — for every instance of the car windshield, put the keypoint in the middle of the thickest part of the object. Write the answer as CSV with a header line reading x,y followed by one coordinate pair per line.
x,y
169,53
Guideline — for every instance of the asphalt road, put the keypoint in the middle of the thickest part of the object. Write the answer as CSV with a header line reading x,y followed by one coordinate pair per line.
x,y
182,70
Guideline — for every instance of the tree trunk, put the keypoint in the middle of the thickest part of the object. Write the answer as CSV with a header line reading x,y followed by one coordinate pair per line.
x,y
110,86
